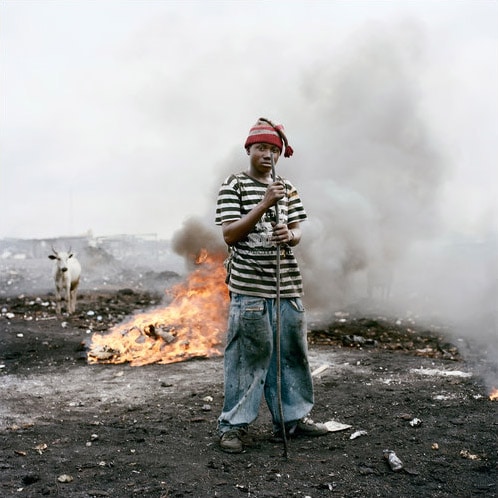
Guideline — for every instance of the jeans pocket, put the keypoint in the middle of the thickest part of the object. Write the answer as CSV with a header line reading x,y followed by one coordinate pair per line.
x,y
297,304
253,309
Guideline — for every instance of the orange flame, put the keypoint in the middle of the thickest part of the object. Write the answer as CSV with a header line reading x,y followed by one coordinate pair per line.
x,y
190,326
494,394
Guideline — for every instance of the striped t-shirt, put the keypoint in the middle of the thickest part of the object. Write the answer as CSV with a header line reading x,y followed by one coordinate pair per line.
x,y
253,260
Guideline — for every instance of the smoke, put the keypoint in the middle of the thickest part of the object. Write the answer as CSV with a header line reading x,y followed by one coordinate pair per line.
x,y
195,236
372,178
371,184
371,174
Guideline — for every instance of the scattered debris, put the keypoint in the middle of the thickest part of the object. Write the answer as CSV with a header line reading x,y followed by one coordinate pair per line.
x,y
415,422
40,448
358,434
65,478
392,459
443,373
444,397
319,370
469,456
358,341
406,416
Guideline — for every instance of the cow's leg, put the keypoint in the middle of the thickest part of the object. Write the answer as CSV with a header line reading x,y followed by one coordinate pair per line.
x,y
58,298
66,291
74,288
68,299
72,301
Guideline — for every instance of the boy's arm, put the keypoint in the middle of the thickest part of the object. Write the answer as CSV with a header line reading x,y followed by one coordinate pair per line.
x,y
235,231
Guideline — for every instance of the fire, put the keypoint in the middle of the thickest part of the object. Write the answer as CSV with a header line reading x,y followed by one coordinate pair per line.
x,y
190,326
494,394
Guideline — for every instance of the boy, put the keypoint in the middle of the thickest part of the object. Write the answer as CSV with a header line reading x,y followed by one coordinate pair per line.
x,y
246,211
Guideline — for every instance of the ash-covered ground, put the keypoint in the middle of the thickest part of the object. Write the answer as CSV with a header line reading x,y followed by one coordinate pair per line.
x,y
73,429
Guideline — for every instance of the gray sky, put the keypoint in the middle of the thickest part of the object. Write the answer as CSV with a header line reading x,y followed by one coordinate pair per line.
x,y
125,116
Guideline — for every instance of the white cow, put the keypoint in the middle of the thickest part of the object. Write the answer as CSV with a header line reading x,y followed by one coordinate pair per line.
x,y
67,273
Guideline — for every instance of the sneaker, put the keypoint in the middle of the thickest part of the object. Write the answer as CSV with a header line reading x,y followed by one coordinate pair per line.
x,y
231,442
306,427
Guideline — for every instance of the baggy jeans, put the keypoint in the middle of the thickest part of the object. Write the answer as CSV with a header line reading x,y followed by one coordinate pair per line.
x,y
250,363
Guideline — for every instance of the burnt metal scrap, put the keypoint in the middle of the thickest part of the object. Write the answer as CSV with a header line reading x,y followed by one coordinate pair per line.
x,y
167,333
103,353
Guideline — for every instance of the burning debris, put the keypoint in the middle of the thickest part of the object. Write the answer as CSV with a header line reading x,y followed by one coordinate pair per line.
x,y
190,326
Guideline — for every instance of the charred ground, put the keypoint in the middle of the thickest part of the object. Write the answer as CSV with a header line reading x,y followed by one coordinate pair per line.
x,y
72,429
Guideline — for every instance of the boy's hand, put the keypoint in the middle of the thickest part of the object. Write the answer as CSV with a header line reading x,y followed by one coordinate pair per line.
x,y
274,193
281,234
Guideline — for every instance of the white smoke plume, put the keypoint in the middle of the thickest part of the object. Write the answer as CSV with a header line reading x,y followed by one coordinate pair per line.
x,y
372,179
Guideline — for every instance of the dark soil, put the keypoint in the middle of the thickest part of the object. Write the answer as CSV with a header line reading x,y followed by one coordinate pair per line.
x,y
72,429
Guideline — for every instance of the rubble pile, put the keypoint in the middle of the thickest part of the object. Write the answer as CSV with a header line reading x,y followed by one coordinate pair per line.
x,y
382,333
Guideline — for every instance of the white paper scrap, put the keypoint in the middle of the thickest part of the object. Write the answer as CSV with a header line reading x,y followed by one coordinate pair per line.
x,y
358,434
334,426
319,370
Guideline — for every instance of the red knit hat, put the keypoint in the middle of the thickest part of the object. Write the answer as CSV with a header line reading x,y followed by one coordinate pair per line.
x,y
264,131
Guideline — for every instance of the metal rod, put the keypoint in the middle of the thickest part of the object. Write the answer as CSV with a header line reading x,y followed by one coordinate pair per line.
x,y
277,327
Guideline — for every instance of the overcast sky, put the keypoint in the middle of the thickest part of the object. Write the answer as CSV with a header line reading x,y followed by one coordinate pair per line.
x,y
125,116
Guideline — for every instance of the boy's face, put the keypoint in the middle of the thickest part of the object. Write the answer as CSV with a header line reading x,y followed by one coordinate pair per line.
x,y
260,156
